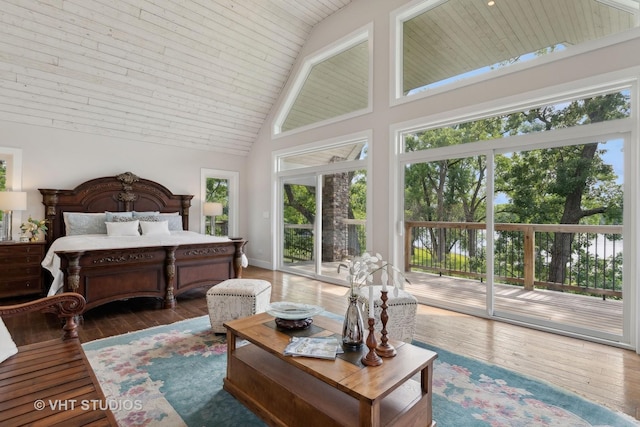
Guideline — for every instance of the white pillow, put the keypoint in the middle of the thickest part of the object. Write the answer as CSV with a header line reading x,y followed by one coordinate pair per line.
x,y
7,346
123,228
154,228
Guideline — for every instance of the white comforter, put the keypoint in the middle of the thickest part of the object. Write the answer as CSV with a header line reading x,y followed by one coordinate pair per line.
x,y
101,241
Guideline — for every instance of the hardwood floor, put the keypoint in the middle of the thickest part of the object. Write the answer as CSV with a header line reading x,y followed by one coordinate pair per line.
x,y
604,374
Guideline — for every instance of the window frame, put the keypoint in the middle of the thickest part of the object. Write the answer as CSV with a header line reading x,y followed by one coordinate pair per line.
x,y
626,79
405,13
341,45
317,171
234,195
13,157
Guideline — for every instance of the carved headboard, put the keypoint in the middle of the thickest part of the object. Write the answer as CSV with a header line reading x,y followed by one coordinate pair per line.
x,y
121,193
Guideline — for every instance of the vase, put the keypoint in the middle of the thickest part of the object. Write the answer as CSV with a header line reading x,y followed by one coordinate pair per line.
x,y
353,327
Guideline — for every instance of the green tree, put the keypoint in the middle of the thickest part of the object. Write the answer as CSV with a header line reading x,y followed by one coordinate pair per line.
x,y
565,185
3,175
299,204
218,191
450,190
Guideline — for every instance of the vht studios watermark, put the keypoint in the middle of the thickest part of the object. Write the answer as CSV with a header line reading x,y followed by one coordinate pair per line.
x,y
87,404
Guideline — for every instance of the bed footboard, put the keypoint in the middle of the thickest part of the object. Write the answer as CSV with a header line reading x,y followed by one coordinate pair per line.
x,y
162,272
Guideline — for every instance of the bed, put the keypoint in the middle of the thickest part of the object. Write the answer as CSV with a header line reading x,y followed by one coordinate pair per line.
x,y
92,250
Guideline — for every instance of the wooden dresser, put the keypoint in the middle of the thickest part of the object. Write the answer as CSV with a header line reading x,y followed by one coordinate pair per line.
x,y
20,270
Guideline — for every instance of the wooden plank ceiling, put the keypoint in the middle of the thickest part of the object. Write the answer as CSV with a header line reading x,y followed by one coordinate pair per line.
x,y
204,74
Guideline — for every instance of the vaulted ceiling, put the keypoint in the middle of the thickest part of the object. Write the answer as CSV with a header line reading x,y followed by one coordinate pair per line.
x,y
193,73
205,74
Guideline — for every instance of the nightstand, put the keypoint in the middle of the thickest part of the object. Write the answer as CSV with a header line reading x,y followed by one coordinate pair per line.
x,y
20,269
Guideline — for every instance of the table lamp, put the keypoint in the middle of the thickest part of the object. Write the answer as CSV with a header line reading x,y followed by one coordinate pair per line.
x,y
11,201
213,209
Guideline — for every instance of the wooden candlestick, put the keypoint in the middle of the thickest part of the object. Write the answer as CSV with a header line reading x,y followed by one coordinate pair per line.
x,y
385,349
371,358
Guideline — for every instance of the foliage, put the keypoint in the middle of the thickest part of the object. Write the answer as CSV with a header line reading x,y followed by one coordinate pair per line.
x,y
217,190
3,175
299,204
572,184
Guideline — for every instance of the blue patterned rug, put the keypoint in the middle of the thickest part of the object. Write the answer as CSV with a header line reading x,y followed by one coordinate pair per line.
x,y
172,376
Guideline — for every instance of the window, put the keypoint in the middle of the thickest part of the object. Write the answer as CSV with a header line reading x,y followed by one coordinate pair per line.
x,y
323,198
11,178
515,207
547,117
441,42
3,174
332,84
221,187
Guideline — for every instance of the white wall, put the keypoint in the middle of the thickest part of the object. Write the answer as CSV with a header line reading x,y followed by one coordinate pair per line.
x,y
53,158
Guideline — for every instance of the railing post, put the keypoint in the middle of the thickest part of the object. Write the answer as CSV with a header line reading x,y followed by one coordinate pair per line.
x,y
407,247
529,257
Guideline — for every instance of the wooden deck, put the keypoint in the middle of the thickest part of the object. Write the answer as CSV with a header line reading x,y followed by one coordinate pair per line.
x,y
541,305
553,309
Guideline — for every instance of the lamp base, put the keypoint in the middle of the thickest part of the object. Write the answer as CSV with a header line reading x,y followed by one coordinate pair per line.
x,y
7,235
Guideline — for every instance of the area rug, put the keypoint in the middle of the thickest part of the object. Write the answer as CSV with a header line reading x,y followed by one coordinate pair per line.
x,y
172,376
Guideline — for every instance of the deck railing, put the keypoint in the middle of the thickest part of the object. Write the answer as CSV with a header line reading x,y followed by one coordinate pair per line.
x,y
298,240
523,254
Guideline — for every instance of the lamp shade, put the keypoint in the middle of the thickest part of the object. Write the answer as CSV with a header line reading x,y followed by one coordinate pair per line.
x,y
13,201
212,209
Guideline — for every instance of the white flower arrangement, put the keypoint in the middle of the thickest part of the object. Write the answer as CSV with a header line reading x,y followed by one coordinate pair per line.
x,y
362,270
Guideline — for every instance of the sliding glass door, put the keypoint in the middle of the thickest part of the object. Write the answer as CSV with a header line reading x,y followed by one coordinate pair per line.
x,y
559,237
523,216
323,209
299,212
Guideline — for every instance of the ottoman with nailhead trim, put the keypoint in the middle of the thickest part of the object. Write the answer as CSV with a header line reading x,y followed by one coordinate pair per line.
x,y
236,298
402,310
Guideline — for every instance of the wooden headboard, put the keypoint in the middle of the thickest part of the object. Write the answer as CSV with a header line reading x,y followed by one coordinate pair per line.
x,y
121,193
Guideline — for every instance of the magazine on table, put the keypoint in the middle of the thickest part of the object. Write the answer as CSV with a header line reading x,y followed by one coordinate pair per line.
x,y
319,347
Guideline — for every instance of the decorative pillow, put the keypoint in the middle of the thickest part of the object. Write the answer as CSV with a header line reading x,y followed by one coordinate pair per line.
x,y
119,218
154,228
84,223
145,214
112,215
123,228
7,346
150,218
174,219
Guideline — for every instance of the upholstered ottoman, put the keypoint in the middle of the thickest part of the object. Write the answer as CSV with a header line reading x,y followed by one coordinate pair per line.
x,y
402,310
236,298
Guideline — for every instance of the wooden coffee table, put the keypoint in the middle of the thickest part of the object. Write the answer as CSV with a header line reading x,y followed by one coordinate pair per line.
x,y
290,391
